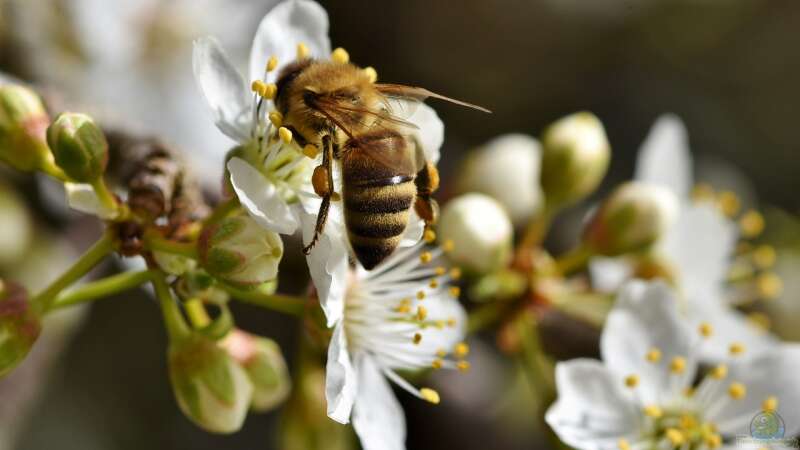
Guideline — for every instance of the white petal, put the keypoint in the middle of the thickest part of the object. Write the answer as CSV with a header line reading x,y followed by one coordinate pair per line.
x,y
328,264
729,326
341,383
414,230
81,197
700,245
664,157
768,373
261,198
289,23
592,411
609,274
378,417
223,88
646,316
430,134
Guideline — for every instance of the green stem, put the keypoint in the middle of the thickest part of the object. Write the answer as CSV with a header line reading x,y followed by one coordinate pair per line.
x,y
104,195
173,319
84,264
198,316
537,229
101,288
53,170
485,316
187,249
222,210
574,260
287,304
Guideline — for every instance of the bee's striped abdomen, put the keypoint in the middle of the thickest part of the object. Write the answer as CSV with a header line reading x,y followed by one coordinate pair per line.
x,y
377,199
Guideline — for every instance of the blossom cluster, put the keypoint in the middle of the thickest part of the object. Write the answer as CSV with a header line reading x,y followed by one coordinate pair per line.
x,y
669,273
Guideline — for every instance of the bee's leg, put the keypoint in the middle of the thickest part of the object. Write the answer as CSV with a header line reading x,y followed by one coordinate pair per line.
x,y
322,180
427,182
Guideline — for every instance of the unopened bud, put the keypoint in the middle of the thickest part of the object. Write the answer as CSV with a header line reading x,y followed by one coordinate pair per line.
x,y
19,326
575,158
633,217
263,361
239,251
79,146
209,385
506,168
480,230
23,121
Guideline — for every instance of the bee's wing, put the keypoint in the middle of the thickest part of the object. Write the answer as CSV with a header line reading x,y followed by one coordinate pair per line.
x,y
418,94
396,151
350,116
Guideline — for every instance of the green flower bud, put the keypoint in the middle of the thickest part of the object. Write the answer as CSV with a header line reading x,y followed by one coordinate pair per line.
x,y
23,121
632,218
79,146
480,231
237,250
575,158
211,388
19,326
263,361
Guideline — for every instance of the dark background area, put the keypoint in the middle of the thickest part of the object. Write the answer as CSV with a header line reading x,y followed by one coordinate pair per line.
x,y
729,68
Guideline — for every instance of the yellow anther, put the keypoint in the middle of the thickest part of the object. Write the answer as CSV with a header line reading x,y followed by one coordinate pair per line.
x,y
269,91
451,322
688,391
719,372
461,350
736,348
702,191
272,63
422,313
760,320
434,283
430,395
675,436
441,353
371,74
706,330
653,411
632,381
688,422
437,364
276,118
751,224
729,203
285,134
311,151
417,338
425,257
439,271
770,404
677,365
340,56
440,324
737,391
653,355
429,236
448,245
770,285
455,291
258,87
302,51
623,444
455,273
420,295
463,366
404,307
713,441
764,256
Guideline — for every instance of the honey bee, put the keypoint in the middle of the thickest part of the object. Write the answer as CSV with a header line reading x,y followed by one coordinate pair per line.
x,y
337,108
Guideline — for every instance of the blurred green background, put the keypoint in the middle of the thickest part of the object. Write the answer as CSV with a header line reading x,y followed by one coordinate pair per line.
x,y
729,68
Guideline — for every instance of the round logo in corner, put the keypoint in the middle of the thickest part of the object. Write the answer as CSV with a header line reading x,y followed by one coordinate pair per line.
x,y
767,425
